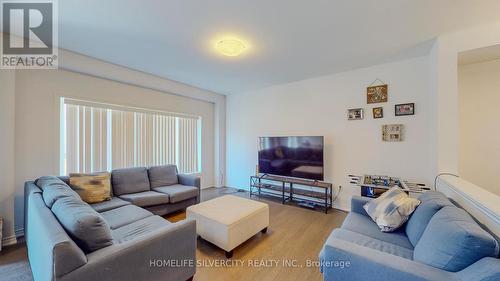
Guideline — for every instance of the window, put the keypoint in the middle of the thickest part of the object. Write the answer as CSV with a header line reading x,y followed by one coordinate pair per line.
x,y
99,137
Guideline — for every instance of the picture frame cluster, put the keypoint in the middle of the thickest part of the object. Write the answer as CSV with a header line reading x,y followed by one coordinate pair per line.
x,y
376,94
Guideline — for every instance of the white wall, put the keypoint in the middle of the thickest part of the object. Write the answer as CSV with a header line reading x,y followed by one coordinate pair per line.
x,y
318,106
7,162
479,146
444,88
37,119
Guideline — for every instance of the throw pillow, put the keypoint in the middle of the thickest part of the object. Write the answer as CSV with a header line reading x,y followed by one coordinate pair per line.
x,y
392,209
92,188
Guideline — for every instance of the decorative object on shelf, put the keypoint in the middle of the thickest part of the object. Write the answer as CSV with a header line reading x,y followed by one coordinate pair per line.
x,y
377,93
378,112
374,185
355,114
392,132
404,109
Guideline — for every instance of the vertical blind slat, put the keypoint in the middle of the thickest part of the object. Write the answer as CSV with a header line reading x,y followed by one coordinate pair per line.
x,y
136,139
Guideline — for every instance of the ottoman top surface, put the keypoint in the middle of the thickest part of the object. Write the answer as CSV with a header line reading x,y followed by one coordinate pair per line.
x,y
227,209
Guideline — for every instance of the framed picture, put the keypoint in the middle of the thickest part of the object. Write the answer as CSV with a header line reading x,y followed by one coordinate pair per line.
x,y
378,112
392,133
376,94
355,114
404,109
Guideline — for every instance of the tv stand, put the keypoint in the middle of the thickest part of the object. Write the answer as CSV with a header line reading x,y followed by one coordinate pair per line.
x,y
296,191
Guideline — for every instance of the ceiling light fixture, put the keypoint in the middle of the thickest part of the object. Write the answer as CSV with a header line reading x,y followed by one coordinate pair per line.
x,y
230,47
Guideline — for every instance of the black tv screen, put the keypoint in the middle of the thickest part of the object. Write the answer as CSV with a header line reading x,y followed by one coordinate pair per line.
x,y
299,157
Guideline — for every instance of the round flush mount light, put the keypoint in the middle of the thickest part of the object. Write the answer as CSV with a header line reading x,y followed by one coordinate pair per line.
x,y
230,47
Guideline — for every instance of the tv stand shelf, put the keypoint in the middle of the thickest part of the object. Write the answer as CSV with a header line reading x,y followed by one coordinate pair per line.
x,y
293,190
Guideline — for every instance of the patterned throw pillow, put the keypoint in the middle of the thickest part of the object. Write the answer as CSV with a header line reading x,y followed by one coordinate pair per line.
x,y
392,209
92,188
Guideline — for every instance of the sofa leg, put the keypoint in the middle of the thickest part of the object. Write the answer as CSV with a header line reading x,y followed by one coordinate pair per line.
x,y
229,254
264,231
190,278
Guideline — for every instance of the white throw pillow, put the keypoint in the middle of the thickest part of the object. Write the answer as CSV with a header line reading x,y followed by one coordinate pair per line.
x,y
392,209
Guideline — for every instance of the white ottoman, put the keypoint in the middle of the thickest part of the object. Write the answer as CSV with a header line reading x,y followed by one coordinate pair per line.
x,y
229,220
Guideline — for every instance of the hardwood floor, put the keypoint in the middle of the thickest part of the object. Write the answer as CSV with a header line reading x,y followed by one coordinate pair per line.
x,y
294,237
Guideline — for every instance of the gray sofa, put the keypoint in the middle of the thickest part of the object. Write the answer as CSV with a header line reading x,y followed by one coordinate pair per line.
x,y
439,242
119,239
158,189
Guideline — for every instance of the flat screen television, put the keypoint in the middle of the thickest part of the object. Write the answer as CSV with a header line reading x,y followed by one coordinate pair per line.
x,y
299,157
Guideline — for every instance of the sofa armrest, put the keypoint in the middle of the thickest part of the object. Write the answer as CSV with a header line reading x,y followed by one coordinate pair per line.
x,y
166,254
483,269
357,203
191,180
363,263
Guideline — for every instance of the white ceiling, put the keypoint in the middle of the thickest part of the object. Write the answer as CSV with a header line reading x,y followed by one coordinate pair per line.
x,y
290,39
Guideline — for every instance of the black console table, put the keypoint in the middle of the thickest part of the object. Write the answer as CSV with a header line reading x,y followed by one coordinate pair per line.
x,y
293,190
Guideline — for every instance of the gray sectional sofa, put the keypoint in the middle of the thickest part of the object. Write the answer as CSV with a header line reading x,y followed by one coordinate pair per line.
x,y
439,242
120,239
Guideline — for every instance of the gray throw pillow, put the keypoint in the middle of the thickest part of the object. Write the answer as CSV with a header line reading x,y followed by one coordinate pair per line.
x,y
392,209
86,227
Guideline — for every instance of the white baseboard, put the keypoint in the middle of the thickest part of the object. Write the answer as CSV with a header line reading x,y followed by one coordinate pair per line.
x,y
7,241
19,232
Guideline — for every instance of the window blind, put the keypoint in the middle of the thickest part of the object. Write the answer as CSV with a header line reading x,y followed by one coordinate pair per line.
x,y
99,137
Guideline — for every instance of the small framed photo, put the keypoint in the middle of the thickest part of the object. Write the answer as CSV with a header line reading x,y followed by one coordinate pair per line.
x,y
392,132
404,109
378,112
355,114
376,94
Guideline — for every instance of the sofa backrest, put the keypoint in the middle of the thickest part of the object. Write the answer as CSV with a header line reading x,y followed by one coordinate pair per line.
x,y
53,188
453,241
163,175
52,253
130,180
430,203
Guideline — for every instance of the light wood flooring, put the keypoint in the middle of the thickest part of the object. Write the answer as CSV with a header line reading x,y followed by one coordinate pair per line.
x,y
295,235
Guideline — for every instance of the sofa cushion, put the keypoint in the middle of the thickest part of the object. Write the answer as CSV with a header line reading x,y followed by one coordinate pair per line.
x,y
453,240
92,188
392,209
124,215
139,228
146,198
45,181
178,192
364,225
53,189
130,180
86,227
114,203
372,243
431,203
163,175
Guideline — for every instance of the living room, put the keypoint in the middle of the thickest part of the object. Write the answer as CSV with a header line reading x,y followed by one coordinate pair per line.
x,y
230,140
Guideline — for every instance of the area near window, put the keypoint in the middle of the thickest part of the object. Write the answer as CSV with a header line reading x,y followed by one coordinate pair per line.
x,y
99,137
